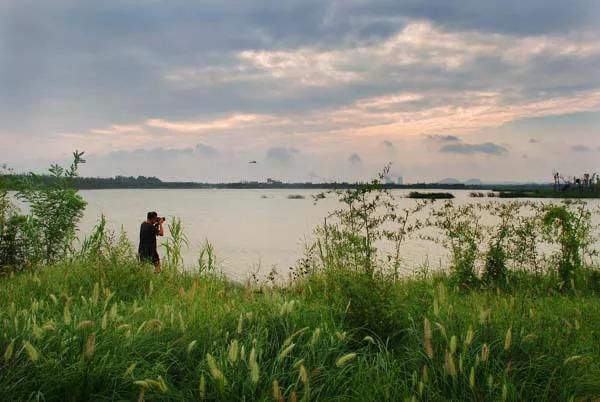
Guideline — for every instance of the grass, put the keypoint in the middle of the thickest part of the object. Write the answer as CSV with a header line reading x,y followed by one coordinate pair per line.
x,y
115,331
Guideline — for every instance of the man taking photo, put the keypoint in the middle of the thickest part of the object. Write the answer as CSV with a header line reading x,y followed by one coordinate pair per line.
x,y
149,230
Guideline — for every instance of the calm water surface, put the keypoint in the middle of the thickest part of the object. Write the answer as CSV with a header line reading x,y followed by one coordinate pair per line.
x,y
250,229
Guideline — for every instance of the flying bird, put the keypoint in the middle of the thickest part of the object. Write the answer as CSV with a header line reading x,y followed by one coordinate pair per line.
x,y
252,162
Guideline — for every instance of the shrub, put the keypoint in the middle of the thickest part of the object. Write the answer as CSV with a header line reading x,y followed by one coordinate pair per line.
x,y
12,246
460,226
55,211
369,215
495,265
496,270
370,303
13,255
569,225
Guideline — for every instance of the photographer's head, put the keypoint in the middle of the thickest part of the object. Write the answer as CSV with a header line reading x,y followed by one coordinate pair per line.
x,y
152,217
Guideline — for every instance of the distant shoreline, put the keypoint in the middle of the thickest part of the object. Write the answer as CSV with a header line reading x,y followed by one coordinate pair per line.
x,y
527,190
141,182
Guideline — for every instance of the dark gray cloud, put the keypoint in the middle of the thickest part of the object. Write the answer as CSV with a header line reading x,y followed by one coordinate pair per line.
x,y
388,144
511,16
484,148
281,154
534,141
355,159
158,153
206,150
312,175
442,138
580,148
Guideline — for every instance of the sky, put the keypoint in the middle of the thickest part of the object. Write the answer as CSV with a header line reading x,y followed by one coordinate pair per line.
x,y
312,90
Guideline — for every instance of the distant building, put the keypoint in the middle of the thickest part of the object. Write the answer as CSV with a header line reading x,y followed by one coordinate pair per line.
x,y
400,180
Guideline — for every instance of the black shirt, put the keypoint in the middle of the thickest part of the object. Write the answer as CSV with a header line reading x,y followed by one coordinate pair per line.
x,y
147,247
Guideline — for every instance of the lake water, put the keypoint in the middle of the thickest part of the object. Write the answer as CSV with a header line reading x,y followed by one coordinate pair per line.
x,y
251,230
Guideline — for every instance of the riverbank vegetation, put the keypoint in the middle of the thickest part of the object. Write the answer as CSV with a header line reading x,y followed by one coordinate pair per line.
x,y
573,193
430,196
514,317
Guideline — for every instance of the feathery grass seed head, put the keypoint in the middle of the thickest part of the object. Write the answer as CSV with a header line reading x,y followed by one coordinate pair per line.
x,y
90,346
8,353
85,324
469,337
191,346
315,336
449,365
573,359
286,351
508,339
277,395
240,325
202,387
215,372
233,351
31,351
453,344
347,358
303,374
67,315
254,371
427,344
129,370
485,353
472,378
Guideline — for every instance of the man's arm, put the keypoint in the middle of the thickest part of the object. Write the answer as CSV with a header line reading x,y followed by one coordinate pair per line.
x,y
161,230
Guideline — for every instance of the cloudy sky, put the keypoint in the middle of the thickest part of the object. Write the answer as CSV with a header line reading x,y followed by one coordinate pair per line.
x,y
310,89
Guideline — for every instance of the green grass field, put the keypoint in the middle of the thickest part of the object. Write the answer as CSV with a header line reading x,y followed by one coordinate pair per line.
x,y
115,331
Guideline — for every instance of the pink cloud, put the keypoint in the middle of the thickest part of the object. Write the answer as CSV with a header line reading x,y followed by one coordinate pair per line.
x,y
234,121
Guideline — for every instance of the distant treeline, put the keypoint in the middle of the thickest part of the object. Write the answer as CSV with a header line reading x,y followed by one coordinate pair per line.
x,y
143,182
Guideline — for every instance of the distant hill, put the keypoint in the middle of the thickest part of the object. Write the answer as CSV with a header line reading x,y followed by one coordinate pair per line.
x,y
473,182
452,180
449,180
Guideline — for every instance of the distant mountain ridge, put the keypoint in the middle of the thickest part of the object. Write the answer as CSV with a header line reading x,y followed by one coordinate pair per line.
x,y
452,180
449,180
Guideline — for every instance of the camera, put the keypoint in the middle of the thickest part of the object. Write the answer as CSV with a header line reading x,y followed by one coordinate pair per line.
x,y
162,219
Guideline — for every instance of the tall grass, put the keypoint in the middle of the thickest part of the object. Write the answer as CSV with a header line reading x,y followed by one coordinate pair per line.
x,y
118,332
207,260
175,244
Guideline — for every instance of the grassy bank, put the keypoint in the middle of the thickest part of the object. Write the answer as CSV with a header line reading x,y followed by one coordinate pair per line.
x,y
549,193
115,331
